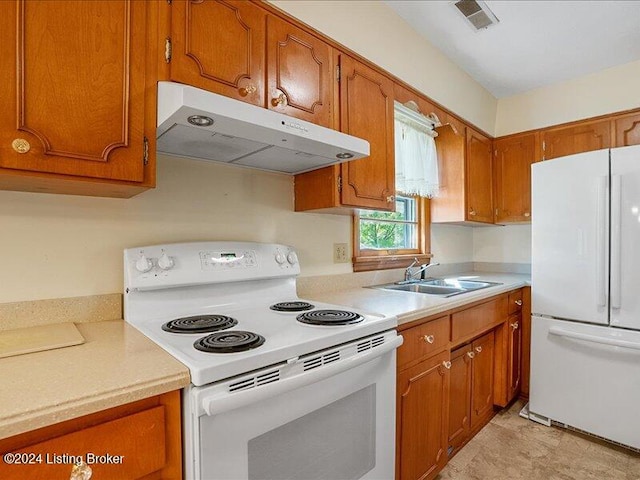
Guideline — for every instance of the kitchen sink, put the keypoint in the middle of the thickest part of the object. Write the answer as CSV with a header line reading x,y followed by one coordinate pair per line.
x,y
444,287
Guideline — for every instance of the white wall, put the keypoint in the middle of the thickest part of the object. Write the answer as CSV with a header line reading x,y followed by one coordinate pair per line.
x,y
62,246
603,92
451,244
375,31
508,244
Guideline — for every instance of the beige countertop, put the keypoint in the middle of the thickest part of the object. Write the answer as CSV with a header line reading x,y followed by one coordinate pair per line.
x,y
409,306
116,365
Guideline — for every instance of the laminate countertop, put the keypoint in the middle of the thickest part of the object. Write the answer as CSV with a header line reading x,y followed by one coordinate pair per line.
x,y
116,365
410,306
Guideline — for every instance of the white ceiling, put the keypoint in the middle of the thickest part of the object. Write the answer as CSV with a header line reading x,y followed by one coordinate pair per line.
x,y
536,43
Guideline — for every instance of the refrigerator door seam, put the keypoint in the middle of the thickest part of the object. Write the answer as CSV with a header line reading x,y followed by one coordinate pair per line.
x,y
560,332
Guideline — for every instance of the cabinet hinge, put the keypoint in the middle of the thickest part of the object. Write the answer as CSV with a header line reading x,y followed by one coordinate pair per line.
x,y
145,151
167,49
339,183
338,73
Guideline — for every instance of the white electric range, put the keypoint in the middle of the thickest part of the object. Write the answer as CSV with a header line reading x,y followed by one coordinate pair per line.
x,y
269,371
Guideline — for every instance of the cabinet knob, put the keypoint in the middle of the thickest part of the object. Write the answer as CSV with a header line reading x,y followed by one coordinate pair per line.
x,y
527,214
21,145
391,198
472,212
514,325
81,471
478,349
446,364
248,90
429,338
471,354
279,100
518,302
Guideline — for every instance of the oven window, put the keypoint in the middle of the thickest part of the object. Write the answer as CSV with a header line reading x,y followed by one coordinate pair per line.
x,y
336,441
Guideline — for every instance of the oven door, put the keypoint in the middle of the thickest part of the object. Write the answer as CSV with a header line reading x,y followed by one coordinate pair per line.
x,y
328,415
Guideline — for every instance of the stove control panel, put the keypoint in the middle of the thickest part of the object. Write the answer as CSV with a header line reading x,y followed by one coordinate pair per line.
x,y
201,263
225,260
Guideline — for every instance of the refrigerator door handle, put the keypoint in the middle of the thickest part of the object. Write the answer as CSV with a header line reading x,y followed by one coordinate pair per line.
x,y
601,247
560,332
616,260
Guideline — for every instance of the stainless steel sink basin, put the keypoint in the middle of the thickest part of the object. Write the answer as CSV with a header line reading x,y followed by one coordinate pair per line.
x,y
444,287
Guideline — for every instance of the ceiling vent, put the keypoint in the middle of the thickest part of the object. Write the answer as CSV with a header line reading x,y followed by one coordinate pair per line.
x,y
477,13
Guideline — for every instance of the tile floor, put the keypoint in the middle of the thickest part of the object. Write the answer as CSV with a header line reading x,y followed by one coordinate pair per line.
x,y
512,448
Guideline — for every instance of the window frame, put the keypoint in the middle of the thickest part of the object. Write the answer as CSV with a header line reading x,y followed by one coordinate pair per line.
x,y
365,260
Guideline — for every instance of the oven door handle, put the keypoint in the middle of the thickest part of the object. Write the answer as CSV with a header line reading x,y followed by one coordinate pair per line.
x,y
216,404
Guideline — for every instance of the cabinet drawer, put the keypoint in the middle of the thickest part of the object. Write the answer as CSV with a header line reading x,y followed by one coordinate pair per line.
x,y
473,321
136,444
515,302
424,340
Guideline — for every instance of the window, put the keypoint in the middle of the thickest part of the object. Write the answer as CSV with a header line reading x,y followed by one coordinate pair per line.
x,y
385,240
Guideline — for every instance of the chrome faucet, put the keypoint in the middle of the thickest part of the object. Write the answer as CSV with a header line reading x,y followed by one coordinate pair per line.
x,y
409,275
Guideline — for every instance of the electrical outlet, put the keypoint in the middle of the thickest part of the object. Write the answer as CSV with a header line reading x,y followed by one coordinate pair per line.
x,y
340,253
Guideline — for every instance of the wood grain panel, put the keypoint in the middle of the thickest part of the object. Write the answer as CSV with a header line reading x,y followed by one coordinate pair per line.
x,y
512,169
482,379
366,111
474,321
584,137
479,178
450,204
219,45
75,87
299,73
627,130
422,341
514,361
459,397
526,341
422,412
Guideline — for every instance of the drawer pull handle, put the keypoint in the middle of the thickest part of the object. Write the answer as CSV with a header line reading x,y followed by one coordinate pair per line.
x,y
478,349
279,100
472,212
519,303
248,90
471,354
429,338
527,214
21,145
81,471
515,325
447,364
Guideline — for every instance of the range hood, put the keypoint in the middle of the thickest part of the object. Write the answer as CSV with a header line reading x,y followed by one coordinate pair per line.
x,y
199,124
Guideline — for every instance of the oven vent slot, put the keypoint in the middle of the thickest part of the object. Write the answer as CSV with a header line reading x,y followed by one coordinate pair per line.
x,y
320,360
256,381
369,344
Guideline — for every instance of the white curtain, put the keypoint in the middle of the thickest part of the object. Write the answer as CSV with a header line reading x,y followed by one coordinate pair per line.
x,y
416,159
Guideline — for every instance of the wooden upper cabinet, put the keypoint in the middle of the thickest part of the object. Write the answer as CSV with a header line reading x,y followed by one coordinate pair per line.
x,y
627,130
479,179
300,73
568,140
366,111
219,46
512,170
73,96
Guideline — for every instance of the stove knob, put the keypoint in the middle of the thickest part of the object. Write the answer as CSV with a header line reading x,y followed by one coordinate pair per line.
x,y
165,262
143,264
292,258
280,258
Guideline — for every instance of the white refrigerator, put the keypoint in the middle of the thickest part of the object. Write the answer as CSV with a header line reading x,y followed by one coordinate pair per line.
x,y
585,340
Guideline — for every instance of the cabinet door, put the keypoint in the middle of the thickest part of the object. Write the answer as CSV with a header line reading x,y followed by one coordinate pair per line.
x,y
512,167
219,45
482,379
479,181
558,142
422,419
627,130
300,74
366,111
460,397
515,355
73,94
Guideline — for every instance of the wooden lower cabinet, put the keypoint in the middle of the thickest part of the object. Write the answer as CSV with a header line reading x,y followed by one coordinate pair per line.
x,y
460,397
422,413
482,379
133,441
